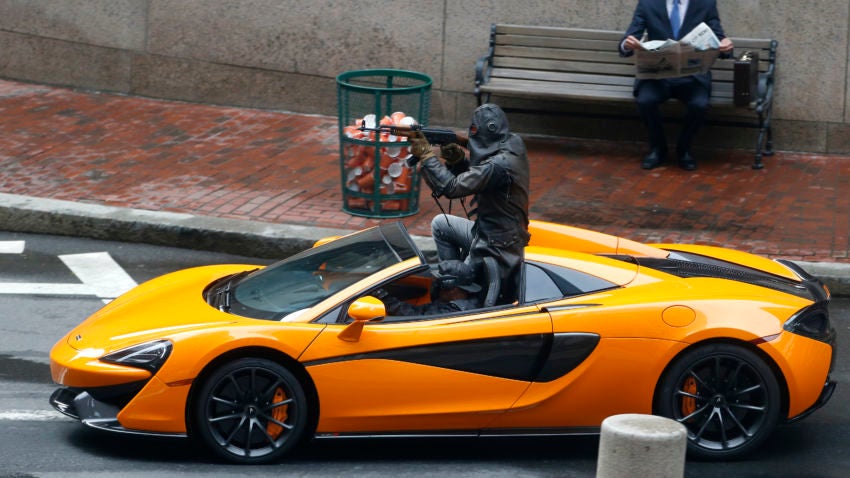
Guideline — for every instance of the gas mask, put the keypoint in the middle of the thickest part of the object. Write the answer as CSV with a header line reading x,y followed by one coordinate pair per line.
x,y
488,130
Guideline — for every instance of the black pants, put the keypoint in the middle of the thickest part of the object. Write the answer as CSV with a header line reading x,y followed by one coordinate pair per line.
x,y
650,95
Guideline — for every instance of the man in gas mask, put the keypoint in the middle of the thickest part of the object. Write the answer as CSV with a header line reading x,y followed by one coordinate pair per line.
x,y
496,175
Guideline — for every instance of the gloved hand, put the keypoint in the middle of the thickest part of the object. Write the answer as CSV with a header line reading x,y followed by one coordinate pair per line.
x,y
452,153
419,146
411,161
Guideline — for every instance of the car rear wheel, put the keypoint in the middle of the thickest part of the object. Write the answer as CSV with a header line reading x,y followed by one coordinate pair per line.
x,y
251,410
727,397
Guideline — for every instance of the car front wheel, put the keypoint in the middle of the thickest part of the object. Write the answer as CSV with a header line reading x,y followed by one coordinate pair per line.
x,y
727,397
250,411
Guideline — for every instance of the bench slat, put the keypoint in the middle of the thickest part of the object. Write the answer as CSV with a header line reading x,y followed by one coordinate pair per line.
x,y
559,90
606,56
585,33
558,76
719,83
565,66
500,83
595,57
570,62
534,85
752,43
558,42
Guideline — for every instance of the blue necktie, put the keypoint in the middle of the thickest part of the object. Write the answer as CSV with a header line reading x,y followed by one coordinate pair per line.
x,y
675,19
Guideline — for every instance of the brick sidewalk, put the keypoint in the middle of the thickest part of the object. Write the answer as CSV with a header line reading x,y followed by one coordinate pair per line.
x,y
284,168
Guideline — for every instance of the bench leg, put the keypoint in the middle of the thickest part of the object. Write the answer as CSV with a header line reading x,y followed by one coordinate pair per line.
x,y
757,164
765,138
768,147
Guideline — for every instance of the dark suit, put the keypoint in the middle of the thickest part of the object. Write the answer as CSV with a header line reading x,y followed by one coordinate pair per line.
x,y
651,17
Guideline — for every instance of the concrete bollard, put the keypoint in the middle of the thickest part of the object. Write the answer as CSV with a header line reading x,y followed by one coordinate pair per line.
x,y
636,446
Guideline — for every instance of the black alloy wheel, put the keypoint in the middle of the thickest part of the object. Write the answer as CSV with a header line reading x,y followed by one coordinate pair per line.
x,y
727,397
251,411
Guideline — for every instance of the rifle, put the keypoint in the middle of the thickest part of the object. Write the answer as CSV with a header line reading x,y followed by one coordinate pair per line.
x,y
438,136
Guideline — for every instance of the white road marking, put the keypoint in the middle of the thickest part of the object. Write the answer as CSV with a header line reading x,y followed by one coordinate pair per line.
x,y
12,247
44,288
100,272
100,275
33,415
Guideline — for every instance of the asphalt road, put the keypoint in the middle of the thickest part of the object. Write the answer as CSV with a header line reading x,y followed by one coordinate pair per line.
x,y
35,441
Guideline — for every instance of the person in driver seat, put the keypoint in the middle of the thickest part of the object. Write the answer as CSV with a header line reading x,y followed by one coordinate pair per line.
x,y
456,291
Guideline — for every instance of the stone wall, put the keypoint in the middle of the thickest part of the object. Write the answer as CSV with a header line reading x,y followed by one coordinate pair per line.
x,y
286,54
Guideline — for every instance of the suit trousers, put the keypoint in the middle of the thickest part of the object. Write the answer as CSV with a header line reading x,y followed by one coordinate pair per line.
x,y
652,93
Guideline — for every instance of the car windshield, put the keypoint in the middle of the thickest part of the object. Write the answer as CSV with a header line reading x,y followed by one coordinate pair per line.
x,y
309,277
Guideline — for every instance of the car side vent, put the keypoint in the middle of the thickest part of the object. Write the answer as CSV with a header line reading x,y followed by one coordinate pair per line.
x,y
692,266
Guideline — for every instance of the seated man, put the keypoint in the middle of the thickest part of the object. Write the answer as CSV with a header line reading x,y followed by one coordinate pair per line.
x,y
661,20
456,291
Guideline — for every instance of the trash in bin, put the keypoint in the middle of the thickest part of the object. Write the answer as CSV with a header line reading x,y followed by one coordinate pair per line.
x,y
376,181
360,167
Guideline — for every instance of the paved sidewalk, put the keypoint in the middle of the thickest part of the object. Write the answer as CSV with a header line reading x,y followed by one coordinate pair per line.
x,y
282,170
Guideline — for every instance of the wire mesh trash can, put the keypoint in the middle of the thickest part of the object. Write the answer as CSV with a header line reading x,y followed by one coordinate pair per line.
x,y
376,181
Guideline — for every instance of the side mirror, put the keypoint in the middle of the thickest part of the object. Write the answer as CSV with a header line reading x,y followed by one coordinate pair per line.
x,y
362,310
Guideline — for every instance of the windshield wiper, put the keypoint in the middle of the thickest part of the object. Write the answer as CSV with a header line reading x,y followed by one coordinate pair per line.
x,y
224,305
225,293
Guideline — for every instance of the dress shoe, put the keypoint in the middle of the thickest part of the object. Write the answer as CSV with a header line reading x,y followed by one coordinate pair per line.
x,y
653,160
687,162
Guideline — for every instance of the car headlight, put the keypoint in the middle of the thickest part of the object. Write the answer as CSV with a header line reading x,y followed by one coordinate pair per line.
x,y
149,355
812,322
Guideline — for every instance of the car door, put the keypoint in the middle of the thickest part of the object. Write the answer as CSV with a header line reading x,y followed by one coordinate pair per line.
x,y
441,373
590,370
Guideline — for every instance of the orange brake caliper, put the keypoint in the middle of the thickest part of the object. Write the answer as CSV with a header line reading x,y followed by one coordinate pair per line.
x,y
689,404
278,413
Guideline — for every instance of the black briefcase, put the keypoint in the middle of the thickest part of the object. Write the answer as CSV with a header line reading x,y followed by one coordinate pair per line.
x,y
746,78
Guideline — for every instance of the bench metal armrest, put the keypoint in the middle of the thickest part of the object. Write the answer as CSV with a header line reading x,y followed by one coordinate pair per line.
x,y
764,101
765,86
484,64
482,70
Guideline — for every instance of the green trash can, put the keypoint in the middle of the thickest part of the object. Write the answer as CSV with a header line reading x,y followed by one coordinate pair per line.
x,y
376,181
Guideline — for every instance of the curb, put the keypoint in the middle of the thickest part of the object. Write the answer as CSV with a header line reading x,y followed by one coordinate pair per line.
x,y
233,236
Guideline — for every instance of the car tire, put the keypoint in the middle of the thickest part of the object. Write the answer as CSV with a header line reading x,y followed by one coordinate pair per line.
x,y
726,396
250,411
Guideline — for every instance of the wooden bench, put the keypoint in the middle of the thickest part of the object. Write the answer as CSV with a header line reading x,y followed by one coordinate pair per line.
x,y
582,65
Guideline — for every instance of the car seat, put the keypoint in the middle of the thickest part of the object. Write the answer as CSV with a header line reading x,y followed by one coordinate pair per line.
x,y
491,281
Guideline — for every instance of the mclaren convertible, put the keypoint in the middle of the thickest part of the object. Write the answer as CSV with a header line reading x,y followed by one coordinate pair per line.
x,y
251,361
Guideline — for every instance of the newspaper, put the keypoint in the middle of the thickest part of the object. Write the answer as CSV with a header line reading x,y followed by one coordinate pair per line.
x,y
694,53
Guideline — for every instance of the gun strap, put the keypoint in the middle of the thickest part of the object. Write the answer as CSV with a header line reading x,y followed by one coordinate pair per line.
x,y
443,211
465,211
440,205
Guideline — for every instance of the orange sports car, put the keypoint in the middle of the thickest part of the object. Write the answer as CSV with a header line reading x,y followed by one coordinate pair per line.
x,y
252,361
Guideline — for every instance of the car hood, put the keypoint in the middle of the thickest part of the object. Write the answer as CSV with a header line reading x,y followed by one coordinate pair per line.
x,y
158,308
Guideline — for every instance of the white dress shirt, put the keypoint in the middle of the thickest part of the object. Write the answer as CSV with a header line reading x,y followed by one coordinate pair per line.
x,y
683,7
